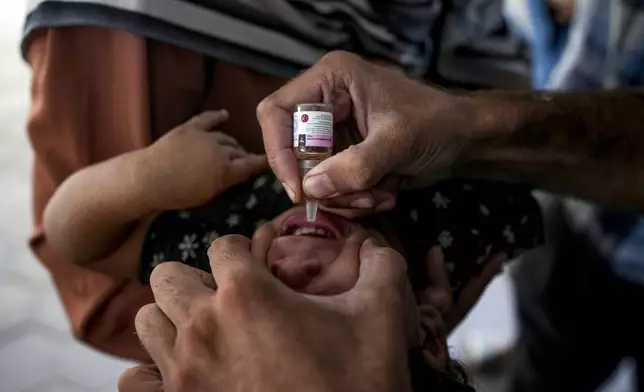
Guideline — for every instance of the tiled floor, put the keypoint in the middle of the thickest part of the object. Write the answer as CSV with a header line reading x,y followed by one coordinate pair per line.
x,y
37,352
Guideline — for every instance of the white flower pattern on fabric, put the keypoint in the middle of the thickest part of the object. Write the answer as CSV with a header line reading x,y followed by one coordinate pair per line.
x,y
233,220
485,255
182,236
188,247
445,239
260,223
209,238
252,202
157,259
441,201
277,187
260,182
508,234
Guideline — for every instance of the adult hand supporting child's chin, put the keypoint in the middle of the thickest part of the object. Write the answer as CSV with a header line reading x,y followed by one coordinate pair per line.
x,y
193,163
200,339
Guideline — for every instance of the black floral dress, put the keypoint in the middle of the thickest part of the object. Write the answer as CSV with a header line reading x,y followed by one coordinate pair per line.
x,y
469,220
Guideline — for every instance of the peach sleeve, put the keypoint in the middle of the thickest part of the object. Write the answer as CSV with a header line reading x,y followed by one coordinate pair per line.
x,y
95,95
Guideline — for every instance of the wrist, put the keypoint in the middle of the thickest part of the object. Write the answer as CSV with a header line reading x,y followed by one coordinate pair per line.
x,y
497,146
141,182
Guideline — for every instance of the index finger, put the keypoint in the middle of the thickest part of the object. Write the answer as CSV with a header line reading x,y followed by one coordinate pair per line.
x,y
230,255
177,287
319,84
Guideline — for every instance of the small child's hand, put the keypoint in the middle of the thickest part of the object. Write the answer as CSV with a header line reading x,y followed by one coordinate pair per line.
x,y
192,163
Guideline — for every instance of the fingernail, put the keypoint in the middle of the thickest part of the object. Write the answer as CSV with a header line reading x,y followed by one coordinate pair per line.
x,y
363,202
289,191
319,186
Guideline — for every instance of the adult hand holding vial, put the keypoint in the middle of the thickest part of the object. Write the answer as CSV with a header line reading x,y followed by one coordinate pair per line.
x,y
312,142
389,112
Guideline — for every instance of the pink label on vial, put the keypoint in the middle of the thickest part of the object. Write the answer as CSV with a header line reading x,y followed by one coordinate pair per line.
x,y
313,129
319,141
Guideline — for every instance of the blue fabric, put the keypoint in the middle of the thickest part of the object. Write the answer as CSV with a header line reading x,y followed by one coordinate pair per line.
x,y
548,42
580,59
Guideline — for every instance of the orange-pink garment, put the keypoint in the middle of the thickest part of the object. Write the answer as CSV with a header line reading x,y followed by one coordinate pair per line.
x,y
97,93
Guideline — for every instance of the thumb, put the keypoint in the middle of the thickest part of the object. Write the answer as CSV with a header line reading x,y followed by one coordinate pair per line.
x,y
383,282
248,166
143,378
381,268
357,168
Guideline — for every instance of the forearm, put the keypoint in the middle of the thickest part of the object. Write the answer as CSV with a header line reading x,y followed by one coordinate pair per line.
x,y
96,210
590,145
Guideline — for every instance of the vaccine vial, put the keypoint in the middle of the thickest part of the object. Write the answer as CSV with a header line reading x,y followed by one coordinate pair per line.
x,y
312,141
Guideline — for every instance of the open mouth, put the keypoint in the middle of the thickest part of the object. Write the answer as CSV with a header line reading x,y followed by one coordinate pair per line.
x,y
325,226
309,231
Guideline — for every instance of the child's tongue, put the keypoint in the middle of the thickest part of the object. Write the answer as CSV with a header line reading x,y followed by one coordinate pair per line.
x,y
298,260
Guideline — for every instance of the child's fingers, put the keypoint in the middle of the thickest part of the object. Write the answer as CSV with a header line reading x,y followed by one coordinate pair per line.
x,y
473,290
248,166
226,140
210,119
438,292
235,154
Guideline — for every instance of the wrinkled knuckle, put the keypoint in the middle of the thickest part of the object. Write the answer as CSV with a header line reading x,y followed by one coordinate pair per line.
x,y
265,107
219,248
144,318
200,322
385,254
272,160
227,245
181,378
234,287
361,170
162,277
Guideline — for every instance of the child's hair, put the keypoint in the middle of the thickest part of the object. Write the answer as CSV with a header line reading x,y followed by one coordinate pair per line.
x,y
425,378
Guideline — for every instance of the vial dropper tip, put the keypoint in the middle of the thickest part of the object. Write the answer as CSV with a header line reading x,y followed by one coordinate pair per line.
x,y
311,210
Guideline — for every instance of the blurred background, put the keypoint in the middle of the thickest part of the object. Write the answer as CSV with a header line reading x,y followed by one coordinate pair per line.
x,y
37,352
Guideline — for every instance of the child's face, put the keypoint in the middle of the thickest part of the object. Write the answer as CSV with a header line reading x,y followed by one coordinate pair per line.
x,y
320,258
323,258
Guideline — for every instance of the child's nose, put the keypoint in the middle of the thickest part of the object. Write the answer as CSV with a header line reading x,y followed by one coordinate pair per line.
x,y
296,274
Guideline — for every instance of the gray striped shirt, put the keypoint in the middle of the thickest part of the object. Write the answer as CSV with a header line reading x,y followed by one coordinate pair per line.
x,y
279,37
